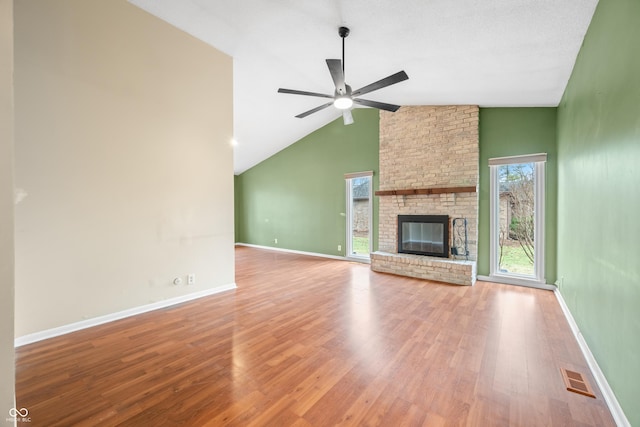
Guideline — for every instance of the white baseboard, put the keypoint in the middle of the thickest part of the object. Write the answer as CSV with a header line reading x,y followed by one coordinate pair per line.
x,y
610,398
517,282
72,327
293,251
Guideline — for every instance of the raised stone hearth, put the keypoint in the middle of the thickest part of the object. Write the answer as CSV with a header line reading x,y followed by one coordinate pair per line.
x,y
428,147
458,272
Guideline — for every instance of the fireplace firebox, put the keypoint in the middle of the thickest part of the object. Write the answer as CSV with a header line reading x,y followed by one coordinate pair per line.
x,y
424,235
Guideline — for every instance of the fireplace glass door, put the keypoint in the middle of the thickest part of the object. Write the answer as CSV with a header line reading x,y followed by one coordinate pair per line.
x,y
424,235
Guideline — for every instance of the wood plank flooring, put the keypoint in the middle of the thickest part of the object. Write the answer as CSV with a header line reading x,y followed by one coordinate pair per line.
x,y
307,341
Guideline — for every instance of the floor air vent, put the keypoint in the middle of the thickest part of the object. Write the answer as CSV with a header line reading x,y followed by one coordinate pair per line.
x,y
576,382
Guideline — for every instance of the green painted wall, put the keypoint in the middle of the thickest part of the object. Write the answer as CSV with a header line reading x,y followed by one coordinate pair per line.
x,y
599,196
237,207
512,132
298,195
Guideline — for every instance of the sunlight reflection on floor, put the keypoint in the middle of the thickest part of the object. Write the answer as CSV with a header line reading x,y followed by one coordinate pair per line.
x,y
364,329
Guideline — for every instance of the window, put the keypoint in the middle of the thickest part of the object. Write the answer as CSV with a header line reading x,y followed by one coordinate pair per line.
x,y
359,214
517,219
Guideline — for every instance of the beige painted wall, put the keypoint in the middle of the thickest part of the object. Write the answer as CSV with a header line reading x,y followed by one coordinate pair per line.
x,y
6,210
123,127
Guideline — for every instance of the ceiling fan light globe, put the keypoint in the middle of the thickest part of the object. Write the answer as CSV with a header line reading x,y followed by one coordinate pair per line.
x,y
343,103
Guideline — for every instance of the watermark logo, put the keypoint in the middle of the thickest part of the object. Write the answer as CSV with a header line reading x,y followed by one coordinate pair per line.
x,y
19,415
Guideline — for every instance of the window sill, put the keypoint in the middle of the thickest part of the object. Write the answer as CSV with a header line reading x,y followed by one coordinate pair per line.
x,y
517,281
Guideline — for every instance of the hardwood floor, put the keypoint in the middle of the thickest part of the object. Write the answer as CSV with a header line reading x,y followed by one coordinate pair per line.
x,y
307,341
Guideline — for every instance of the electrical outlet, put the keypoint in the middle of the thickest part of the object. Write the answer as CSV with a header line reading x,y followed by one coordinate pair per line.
x,y
191,279
339,248
275,241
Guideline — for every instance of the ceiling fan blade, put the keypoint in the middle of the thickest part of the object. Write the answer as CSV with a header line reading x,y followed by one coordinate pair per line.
x,y
302,92
337,74
313,110
378,105
347,117
387,81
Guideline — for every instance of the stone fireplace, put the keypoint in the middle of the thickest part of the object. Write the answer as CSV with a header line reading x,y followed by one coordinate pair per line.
x,y
428,167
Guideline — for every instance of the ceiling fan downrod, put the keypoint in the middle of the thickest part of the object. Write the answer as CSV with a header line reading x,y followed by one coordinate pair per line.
x,y
343,32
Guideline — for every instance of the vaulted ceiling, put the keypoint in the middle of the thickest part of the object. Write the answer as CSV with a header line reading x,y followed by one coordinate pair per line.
x,y
492,53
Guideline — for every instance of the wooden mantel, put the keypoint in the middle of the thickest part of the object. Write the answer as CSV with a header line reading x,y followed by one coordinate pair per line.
x,y
412,191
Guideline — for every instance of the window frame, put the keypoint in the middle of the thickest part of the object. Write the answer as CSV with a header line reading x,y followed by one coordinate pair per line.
x,y
349,215
538,278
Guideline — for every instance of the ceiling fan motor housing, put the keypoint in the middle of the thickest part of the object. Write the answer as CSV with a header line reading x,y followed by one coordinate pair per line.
x,y
347,92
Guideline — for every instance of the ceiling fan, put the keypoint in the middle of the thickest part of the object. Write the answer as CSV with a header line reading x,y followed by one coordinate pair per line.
x,y
343,97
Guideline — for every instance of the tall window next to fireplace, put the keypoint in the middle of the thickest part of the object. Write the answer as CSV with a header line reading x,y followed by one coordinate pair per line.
x,y
424,235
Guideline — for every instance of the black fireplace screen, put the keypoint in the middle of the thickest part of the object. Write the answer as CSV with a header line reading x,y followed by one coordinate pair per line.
x,y
424,235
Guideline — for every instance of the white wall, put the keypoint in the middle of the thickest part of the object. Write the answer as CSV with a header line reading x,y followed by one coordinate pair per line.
x,y
122,147
6,210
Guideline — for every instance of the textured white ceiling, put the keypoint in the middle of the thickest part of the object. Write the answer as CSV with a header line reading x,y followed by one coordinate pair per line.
x,y
492,53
